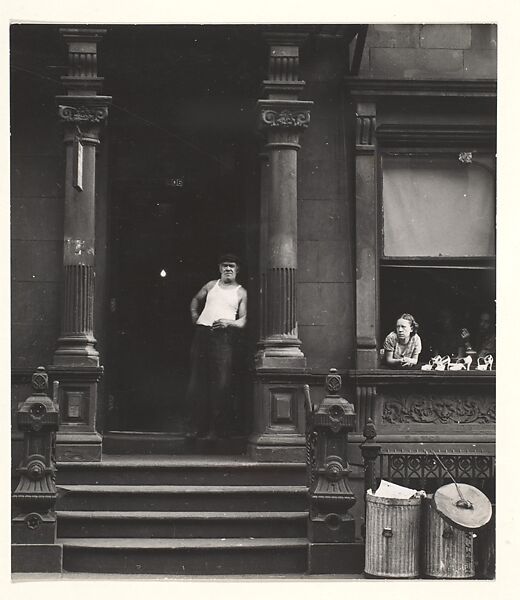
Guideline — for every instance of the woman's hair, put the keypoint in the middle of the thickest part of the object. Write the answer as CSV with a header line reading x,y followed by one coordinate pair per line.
x,y
413,323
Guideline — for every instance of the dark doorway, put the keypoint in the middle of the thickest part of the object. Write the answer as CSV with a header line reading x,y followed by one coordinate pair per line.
x,y
183,190
167,235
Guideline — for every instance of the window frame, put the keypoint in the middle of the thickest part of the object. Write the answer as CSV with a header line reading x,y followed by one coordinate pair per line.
x,y
439,140
378,133
476,261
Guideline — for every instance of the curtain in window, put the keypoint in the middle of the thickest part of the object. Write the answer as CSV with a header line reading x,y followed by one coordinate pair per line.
x,y
438,206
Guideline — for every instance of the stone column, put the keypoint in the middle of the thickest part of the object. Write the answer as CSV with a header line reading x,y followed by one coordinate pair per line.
x,y
76,360
279,420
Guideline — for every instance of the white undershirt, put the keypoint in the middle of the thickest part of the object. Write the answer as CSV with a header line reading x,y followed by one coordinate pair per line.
x,y
221,303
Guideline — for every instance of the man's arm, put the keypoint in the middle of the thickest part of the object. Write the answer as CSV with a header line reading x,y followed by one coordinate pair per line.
x,y
241,320
197,301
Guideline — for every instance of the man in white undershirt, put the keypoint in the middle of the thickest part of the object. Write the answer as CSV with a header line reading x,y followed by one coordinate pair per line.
x,y
218,311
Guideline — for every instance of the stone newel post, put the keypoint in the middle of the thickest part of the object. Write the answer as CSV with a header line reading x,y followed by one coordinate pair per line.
x,y
279,419
34,547
330,527
76,360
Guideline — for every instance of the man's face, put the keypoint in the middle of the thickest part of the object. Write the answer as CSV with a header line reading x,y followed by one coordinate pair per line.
x,y
228,271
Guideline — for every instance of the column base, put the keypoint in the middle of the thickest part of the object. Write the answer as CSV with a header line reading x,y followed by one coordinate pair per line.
x,y
279,418
278,354
342,558
78,446
36,558
77,438
76,350
277,448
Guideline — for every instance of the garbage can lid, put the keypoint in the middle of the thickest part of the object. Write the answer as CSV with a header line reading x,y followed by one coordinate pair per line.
x,y
463,505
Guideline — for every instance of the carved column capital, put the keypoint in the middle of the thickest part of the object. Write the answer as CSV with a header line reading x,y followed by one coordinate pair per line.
x,y
285,117
83,116
84,113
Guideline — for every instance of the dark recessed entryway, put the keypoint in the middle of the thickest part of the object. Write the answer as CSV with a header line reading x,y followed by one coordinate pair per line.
x,y
183,189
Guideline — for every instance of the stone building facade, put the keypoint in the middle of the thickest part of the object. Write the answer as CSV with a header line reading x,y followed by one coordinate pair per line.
x,y
352,167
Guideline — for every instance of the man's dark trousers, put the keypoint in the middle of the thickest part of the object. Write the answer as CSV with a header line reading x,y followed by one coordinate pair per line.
x,y
209,389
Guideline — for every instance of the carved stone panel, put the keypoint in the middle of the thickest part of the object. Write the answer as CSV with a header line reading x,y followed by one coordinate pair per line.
x,y
75,403
438,408
421,408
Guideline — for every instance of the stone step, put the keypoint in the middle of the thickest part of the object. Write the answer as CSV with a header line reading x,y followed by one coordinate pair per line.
x,y
146,524
151,442
181,498
179,470
185,556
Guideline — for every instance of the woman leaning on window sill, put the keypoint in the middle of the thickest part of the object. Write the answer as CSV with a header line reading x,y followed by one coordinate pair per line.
x,y
403,345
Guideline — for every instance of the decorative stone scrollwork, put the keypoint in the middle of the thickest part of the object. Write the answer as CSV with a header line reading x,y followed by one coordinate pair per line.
x,y
36,469
40,380
426,466
417,409
333,382
333,521
334,470
33,520
83,114
298,119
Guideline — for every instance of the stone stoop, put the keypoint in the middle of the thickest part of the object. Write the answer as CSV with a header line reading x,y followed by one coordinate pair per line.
x,y
192,515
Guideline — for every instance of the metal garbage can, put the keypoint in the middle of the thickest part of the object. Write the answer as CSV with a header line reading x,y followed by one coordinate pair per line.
x,y
448,550
392,537
452,515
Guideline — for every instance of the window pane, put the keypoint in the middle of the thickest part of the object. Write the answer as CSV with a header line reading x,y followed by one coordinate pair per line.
x,y
438,206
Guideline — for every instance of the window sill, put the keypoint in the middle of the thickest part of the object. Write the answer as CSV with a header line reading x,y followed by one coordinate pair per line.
x,y
394,376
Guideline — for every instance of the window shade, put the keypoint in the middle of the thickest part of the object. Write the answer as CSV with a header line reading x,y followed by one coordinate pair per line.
x,y
438,206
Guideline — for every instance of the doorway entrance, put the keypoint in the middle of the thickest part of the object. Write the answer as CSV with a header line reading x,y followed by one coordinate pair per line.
x,y
184,189
167,234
